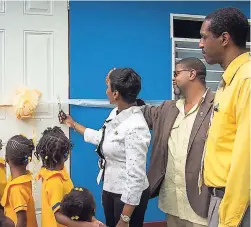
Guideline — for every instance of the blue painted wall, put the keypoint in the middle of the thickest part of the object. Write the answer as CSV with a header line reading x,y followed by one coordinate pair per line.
x,y
120,34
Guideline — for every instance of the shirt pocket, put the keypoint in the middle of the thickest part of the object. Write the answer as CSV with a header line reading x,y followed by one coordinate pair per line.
x,y
114,145
177,123
117,139
223,126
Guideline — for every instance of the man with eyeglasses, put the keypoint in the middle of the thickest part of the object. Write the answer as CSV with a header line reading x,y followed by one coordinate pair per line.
x,y
179,132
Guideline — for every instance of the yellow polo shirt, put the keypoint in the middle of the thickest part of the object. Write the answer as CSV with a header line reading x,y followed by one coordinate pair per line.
x,y
18,197
2,177
227,158
55,185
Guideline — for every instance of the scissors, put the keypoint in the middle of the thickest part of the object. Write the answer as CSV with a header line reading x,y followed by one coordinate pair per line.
x,y
61,115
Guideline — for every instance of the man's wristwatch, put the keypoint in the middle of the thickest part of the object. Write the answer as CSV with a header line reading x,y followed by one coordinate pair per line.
x,y
125,218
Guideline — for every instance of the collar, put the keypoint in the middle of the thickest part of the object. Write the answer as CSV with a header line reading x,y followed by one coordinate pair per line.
x,y
20,180
233,67
2,161
17,181
47,174
181,102
132,109
115,119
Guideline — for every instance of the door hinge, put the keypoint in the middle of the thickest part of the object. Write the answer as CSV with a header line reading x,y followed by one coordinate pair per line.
x,y
68,4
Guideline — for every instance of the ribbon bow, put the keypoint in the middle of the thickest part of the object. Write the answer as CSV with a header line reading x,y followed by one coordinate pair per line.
x,y
26,102
74,217
28,159
78,189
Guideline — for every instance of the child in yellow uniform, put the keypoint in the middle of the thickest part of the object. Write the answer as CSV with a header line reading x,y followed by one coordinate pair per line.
x,y
2,173
54,149
79,205
17,199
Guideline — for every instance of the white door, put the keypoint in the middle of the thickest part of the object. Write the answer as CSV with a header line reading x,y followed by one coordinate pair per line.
x,y
34,54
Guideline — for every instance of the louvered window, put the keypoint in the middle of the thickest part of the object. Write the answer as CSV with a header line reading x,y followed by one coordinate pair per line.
x,y
186,44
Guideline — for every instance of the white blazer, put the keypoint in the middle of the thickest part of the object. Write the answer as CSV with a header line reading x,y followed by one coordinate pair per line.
x,y
125,146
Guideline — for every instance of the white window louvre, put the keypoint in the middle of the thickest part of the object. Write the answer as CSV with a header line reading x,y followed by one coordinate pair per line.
x,y
184,48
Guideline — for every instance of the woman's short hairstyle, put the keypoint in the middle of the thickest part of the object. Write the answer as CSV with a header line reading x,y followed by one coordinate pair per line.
x,y
127,82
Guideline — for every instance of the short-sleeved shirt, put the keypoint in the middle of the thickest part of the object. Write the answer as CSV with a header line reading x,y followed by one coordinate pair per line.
x,y
3,181
55,185
18,197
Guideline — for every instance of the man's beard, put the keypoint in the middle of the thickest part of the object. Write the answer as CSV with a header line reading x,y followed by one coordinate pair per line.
x,y
179,93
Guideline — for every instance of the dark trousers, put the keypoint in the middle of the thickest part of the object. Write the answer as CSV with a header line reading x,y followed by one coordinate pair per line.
x,y
113,208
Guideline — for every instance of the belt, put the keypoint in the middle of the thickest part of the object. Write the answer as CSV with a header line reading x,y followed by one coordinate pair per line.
x,y
217,192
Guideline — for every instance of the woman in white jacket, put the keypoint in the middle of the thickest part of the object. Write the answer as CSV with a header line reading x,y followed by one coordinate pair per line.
x,y
122,145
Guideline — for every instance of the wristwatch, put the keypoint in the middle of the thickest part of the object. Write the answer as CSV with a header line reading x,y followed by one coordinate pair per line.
x,y
125,218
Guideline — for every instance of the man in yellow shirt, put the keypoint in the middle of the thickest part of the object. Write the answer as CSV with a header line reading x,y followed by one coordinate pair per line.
x,y
227,150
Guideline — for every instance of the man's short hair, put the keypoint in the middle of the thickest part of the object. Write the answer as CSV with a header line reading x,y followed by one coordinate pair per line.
x,y
230,20
197,65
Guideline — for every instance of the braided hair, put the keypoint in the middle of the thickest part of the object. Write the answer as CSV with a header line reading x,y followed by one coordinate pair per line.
x,y
53,148
19,150
78,205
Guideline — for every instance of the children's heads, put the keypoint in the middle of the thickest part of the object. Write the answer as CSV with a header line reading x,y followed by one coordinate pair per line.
x,y
79,205
53,148
19,150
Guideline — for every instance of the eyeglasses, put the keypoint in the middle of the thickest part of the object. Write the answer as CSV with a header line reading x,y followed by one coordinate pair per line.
x,y
176,73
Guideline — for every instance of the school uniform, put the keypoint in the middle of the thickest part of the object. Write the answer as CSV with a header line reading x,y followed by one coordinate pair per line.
x,y
55,185
3,181
125,138
18,197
